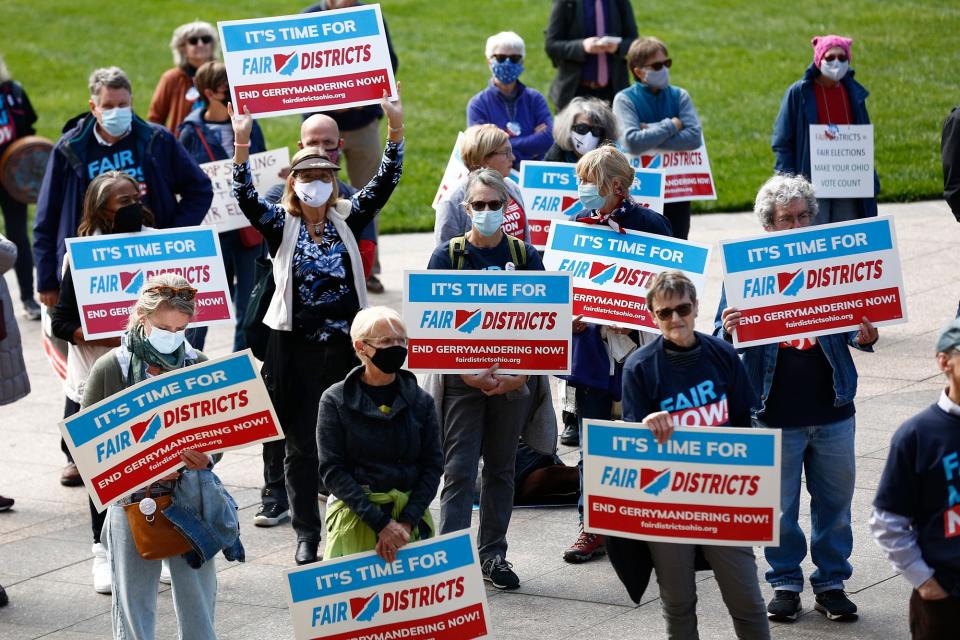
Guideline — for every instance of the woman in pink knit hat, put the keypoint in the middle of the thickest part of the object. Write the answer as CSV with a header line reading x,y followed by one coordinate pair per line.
x,y
827,94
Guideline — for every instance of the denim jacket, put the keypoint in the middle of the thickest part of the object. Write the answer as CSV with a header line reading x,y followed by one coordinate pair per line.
x,y
206,515
761,361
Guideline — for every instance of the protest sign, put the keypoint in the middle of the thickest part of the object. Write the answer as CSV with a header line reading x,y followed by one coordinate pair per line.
x,y
452,175
109,271
309,62
225,212
612,271
467,321
705,485
841,160
433,590
136,436
814,281
550,193
687,174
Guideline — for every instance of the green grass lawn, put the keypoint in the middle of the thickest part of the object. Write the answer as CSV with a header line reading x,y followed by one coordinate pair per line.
x,y
735,58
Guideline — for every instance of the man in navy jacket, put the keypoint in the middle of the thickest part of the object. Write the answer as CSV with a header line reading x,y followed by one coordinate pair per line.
x,y
110,138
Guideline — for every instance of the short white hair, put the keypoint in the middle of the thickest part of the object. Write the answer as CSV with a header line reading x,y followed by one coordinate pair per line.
x,y
178,42
109,78
366,321
506,40
780,191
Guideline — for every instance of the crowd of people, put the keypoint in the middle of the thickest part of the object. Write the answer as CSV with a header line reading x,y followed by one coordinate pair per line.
x,y
361,432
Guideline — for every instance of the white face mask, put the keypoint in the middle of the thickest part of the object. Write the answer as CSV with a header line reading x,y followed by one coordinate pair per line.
x,y
584,142
314,193
834,69
165,341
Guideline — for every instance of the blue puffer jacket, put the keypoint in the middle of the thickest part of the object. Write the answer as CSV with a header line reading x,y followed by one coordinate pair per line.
x,y
761,361
168,170
203,144
791,131
206,515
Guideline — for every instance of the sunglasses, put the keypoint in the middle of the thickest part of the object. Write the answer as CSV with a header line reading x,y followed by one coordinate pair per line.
x,y
839,57
486,205
682,310
195,40
584,129
514,58
184,293
656,66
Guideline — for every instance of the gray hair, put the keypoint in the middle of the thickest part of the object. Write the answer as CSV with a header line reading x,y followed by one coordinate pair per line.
x,y
672,284
780,191
109,77
489,178
366,321
506,39
599,112
4,72
150,301
179,40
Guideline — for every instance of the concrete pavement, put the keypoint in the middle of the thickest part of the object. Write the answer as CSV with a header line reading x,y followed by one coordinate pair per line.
x,y
45,540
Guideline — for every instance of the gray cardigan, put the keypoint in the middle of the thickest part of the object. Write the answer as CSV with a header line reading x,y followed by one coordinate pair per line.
x,y
14,383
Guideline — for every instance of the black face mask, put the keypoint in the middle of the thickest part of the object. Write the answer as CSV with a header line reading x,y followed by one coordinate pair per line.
x,y
128,218
390,359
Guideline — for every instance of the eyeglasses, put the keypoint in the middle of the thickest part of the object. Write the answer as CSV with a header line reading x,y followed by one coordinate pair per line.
x,y
839,57
660,64
486,205
508,152
183,293
583,129
514,58
195,40
804,218
682,310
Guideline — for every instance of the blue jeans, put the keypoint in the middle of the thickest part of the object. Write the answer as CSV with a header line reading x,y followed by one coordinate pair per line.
x,y
135,584
825,453
598,405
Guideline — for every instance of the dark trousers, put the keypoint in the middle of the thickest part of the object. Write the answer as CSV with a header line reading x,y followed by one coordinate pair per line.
x,y
274,485
15,222
297,373
239,259
598,405
934,619
604,93
69,408
678,213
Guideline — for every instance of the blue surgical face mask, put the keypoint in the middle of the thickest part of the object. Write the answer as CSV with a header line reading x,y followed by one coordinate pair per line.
x,y
657,79
165,341
487,222
590,196
506,71
117,121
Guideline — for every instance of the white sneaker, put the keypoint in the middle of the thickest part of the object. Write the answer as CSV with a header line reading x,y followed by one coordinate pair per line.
x,y
165,573
102,577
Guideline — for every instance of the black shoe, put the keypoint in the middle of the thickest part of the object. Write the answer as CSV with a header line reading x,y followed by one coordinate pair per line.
x,y
499,573
3,598
270,514
306,552
5,503
374,285
31,310
570,436
835,605
785,606
70,477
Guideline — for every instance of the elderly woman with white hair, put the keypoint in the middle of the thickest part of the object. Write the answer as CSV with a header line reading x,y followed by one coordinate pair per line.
x,y
806,389
520,111
583,125
379,444
192,44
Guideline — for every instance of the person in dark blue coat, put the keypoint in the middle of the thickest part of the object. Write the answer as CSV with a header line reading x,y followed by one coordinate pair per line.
x,y
604,176
111,137
207,134
509,104
827,94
